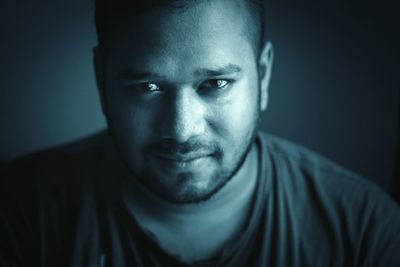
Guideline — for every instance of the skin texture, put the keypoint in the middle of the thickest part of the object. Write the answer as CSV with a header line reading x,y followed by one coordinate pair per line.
x,y
183,95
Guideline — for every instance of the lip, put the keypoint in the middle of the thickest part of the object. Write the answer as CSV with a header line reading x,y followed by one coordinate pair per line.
x,y
183,158
179,163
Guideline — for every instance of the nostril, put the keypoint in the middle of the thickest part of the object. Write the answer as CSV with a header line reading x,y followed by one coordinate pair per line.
x,y
179,128
182,118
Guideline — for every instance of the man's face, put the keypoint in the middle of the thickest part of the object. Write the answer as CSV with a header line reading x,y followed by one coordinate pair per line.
x,y
181,96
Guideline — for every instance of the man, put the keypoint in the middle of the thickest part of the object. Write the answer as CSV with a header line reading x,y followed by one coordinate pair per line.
x,y
183,177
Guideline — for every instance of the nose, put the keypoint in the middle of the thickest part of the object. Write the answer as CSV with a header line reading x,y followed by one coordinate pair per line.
x,y
184,116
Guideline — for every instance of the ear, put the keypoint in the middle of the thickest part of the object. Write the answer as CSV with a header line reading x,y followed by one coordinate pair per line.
x,y
100,73
266,59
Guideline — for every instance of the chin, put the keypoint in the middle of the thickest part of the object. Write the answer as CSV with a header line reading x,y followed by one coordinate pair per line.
x,y
187,188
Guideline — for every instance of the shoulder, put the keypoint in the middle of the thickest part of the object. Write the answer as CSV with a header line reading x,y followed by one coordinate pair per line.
x,y
311,183
330,202
297,164
55,167
58,156
42,196
334,208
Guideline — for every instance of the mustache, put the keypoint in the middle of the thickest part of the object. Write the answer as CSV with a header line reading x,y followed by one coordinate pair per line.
x,y
172,147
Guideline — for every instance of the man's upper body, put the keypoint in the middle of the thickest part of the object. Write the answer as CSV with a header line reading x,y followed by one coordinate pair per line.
x,y
185,178
68,207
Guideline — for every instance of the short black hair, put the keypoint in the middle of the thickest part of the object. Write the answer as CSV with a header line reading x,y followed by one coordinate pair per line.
x,y
108,11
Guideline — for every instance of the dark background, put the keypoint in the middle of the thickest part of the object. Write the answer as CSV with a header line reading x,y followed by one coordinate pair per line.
x,y
335,84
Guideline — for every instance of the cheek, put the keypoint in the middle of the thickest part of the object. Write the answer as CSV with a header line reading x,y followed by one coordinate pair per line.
x,y
129,122
239,115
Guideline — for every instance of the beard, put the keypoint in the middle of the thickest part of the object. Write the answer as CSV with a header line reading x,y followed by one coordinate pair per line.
x,y
187,187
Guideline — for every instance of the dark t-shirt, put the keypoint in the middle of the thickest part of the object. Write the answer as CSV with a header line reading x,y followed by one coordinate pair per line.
x,y
63,207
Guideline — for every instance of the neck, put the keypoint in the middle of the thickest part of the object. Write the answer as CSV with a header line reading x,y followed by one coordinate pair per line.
x,y
197,231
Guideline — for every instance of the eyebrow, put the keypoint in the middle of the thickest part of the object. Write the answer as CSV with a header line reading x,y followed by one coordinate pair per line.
x,y
228,69
131,74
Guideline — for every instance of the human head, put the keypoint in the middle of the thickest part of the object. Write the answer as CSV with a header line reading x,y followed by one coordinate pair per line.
x,y
182,90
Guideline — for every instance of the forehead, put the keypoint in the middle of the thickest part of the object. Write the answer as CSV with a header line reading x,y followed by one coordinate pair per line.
x,y
204,31
210,16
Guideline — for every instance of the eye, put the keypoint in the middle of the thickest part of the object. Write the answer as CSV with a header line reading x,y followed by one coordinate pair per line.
x,y
148,87
215,84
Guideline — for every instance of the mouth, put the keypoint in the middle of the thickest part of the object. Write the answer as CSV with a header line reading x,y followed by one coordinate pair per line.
x,y
183,161
184,158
